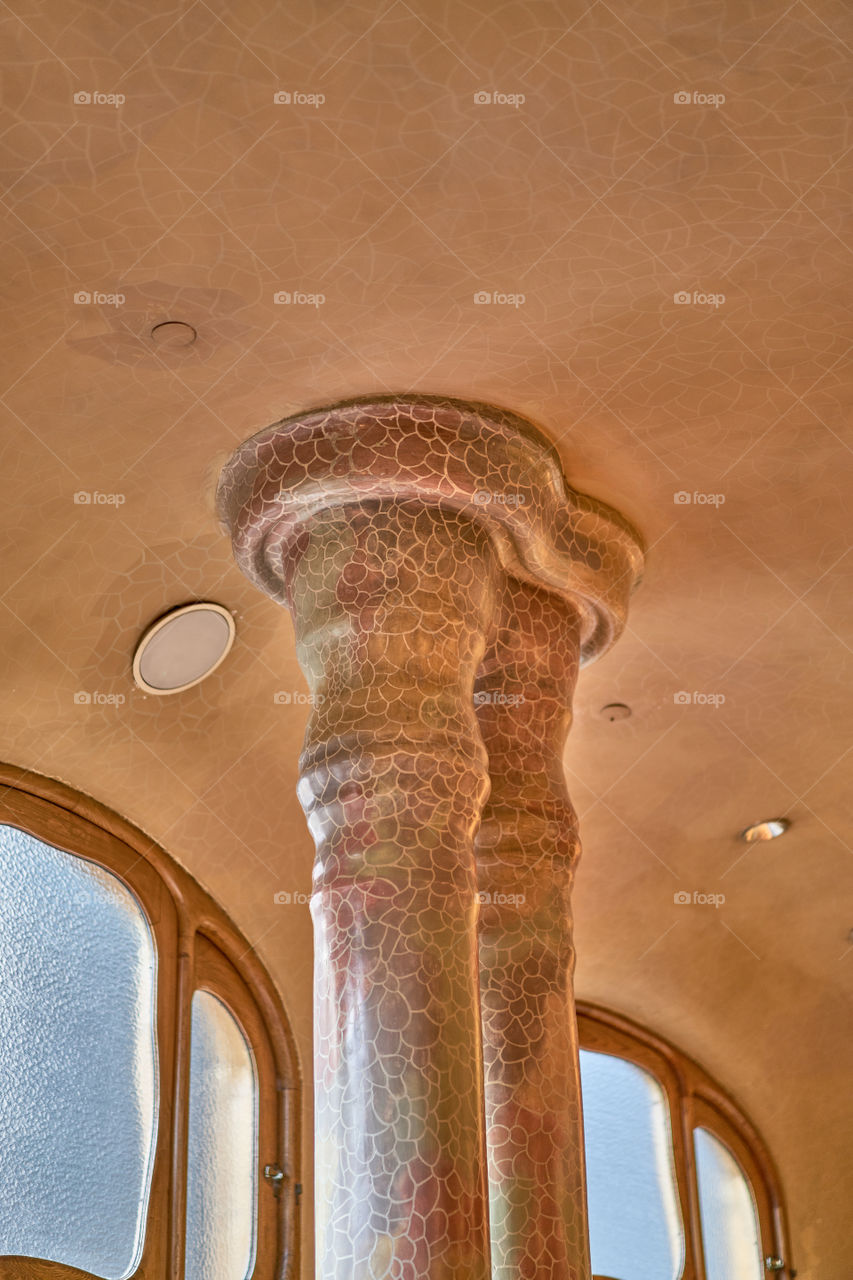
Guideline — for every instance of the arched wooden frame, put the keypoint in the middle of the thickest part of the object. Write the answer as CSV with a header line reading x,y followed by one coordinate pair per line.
x,y
695,1101
197,946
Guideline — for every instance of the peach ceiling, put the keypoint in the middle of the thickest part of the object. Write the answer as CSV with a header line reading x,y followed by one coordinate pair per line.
x,y
587,207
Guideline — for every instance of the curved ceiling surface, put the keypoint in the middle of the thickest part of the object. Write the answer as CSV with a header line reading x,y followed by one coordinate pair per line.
x,y
627,223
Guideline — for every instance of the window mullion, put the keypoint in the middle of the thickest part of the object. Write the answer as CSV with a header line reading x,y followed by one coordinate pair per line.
x,y
692,1185
182,1023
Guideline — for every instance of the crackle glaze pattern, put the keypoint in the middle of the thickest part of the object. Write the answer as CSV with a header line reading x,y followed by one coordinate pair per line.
x,y
474,458
388,528
391,603
527,848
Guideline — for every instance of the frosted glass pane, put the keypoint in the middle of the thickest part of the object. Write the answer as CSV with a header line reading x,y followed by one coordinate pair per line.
x,y
634,1218
222,1159
78,1068
730,1232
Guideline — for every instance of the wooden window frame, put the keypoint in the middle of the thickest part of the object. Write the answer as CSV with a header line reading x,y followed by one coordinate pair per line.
x,y
196,945
695,1101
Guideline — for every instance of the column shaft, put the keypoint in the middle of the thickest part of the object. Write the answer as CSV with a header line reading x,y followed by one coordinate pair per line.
x,y
526,852
391,603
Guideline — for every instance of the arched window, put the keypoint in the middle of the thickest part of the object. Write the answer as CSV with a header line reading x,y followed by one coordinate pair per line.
x,y
679,1183
148,1083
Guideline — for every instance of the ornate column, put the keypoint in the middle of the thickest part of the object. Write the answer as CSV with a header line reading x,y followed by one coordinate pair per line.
x,y
386,527
527,849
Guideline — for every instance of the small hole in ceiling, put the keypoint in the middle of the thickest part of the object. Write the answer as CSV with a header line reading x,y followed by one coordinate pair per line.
x,y
171,335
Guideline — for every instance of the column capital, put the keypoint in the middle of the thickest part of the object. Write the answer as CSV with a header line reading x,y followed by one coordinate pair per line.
x,y
478,460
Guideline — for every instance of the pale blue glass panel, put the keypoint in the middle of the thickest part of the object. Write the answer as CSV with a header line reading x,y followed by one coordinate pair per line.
x,y
634,1218
78,1064
730,1232
222,1148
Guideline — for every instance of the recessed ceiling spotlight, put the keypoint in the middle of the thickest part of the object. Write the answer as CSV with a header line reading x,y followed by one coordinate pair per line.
x,y
183,647
768,830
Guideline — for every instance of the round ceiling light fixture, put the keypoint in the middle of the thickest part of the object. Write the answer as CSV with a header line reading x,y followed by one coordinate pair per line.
x,y
183,647
769,830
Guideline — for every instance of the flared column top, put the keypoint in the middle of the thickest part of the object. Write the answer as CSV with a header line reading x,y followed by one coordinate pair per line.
x,y
482,461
